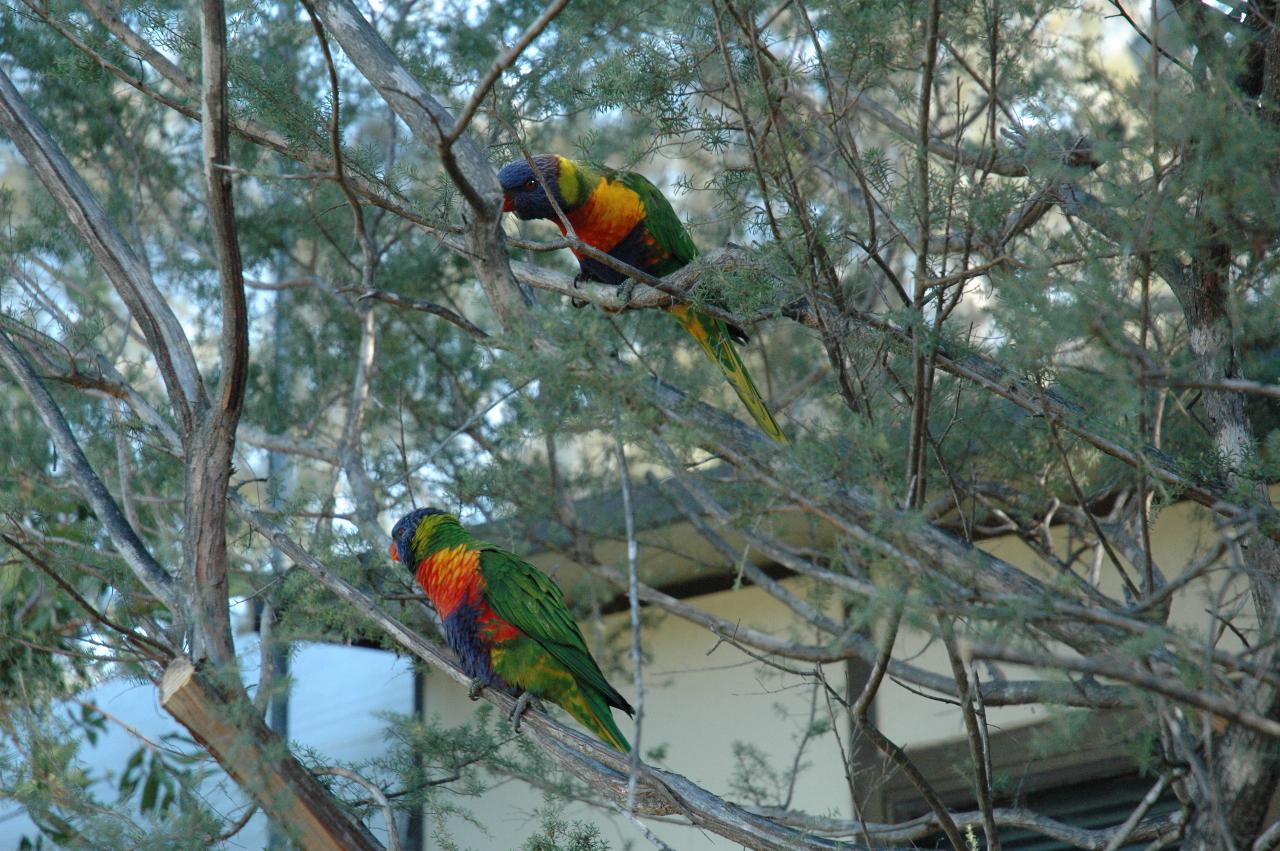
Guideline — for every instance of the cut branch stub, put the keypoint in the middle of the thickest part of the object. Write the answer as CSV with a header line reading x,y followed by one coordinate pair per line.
x,y
229,728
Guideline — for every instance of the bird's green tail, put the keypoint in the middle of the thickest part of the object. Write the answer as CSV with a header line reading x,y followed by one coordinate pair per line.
x,y
589,708
713,335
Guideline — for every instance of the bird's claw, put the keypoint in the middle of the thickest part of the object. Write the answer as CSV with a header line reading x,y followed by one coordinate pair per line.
x,y
577,282
477,686
521,707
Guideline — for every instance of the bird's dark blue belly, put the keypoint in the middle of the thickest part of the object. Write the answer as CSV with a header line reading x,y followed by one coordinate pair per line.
x,y
462,631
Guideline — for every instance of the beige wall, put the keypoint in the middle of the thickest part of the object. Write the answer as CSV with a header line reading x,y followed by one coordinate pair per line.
x,y
699,705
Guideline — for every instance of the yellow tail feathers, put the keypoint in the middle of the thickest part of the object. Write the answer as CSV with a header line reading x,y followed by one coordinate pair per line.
x,y
713,335
594,714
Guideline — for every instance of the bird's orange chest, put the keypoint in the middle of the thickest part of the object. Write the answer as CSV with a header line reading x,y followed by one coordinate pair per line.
x,y
610,212
451,577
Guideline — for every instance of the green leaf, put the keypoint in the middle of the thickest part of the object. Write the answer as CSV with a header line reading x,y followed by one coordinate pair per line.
x,y
148,802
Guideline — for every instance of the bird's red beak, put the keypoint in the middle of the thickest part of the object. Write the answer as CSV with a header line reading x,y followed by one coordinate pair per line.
x,y
395,552
507,204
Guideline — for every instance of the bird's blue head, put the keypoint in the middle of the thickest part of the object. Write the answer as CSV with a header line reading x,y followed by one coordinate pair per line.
x,y
402,533
523,195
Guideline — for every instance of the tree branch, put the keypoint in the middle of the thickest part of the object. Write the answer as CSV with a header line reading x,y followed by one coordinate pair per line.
x,y
126,541
212,442
130,277
463,159
658,792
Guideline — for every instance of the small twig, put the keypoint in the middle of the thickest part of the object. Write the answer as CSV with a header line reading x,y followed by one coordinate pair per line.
x,y
151,744
502,63
239,825
633,604
644,829
1126,829
475,331
393,835
1159,49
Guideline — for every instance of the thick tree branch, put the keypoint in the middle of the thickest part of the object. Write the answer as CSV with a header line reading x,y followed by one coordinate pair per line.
x,y
225,722
212,442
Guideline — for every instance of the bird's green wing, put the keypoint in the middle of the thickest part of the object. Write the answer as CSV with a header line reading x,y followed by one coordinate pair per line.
x,y
526,598
661,221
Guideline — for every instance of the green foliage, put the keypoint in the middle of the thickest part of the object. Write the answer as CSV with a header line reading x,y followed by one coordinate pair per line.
x,y
755,779
560,834
823,196
45,767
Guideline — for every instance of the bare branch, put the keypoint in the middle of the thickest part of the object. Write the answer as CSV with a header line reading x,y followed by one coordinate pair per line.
x,y
212,443
388,815
1229,708
633,604
452,316
1125,831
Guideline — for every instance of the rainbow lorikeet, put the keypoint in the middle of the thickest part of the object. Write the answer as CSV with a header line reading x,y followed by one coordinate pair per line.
x,y
624,215
506,620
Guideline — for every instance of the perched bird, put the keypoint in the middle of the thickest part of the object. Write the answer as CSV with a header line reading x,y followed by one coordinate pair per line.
x,y
507,621
624,215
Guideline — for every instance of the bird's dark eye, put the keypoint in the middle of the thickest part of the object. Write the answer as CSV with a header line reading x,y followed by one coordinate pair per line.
x,y
531,183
